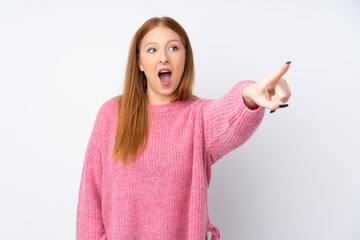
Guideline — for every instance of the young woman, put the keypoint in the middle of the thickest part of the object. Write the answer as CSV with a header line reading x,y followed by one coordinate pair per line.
x,y
147,166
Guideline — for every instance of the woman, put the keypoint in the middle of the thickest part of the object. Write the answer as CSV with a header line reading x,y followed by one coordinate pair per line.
x,y
147,166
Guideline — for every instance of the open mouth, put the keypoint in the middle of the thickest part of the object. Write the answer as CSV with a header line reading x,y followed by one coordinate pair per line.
x,y
164,75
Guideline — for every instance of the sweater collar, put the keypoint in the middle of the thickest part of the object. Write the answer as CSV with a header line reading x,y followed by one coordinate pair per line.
x,y
168,107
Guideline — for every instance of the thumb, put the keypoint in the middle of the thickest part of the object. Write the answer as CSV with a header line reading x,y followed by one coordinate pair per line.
x,y
270,104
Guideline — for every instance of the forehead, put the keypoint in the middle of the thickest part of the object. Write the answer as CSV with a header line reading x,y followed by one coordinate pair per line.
x,y
159,35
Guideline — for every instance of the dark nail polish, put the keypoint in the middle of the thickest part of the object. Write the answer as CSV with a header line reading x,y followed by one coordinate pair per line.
x,y
283,105
288,62
272,111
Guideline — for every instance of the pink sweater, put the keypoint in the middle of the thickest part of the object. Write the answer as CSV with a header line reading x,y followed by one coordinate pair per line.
x,y
163,193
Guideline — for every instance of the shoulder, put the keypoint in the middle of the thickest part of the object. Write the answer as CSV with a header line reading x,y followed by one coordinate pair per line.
x,y
107,109
196,105
109,105
110,102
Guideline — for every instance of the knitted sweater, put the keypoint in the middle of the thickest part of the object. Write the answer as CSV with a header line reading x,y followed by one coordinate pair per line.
x,y
163,194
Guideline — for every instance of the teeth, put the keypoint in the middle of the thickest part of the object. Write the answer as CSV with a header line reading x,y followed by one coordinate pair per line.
x,y
164,71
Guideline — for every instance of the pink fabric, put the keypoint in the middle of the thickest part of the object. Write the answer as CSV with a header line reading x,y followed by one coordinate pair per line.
x,y
163,193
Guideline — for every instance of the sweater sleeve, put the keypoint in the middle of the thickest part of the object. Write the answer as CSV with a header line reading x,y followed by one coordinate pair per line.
x,y
228,122
89,225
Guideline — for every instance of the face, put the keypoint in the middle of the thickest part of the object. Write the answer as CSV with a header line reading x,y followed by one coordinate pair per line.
x,y
161,48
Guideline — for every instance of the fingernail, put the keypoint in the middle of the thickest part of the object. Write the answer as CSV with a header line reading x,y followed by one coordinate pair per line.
x,y
288,62
283,105
272,111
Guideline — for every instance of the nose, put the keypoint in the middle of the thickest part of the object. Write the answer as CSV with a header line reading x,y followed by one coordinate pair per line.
x,y
164,58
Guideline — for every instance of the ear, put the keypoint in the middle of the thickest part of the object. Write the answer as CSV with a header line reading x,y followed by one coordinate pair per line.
x,y
140,66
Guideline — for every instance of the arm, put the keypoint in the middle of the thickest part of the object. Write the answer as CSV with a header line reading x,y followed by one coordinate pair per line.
x,y
229,122
89,225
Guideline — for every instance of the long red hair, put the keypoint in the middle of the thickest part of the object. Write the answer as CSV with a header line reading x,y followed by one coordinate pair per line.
x,y
132,119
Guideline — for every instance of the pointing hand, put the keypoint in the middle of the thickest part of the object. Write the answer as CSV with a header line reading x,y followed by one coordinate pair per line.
x,y
260,93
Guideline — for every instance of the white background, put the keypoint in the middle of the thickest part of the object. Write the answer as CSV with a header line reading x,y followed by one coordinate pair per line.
x,y
296,178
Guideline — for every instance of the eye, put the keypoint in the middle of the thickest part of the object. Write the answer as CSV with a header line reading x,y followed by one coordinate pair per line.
x,y
176,48
149,50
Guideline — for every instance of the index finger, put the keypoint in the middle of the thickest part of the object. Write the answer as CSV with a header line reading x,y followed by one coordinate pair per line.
x,y
277,75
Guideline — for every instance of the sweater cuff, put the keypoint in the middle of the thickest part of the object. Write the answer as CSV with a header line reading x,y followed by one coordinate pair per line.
x,y
256,114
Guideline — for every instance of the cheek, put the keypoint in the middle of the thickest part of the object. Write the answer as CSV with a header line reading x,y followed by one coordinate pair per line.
x,y
146,61
181,63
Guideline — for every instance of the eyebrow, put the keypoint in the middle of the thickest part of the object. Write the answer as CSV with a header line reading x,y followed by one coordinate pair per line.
x,y
166,42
